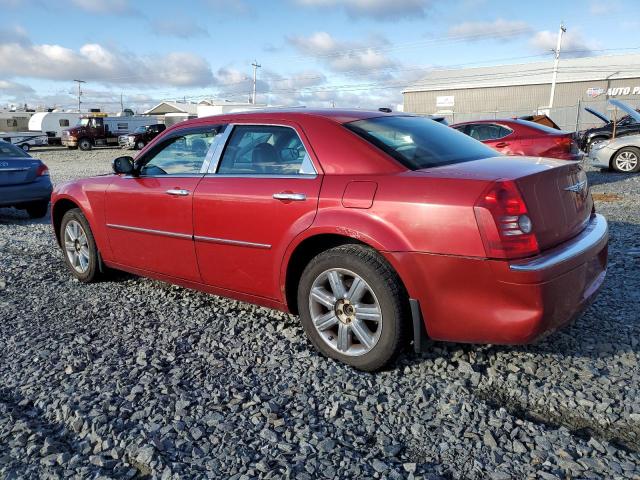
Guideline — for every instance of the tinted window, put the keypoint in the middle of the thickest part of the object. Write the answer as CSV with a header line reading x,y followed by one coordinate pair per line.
x,y
487,131
8,150
265,150
179,155
418,142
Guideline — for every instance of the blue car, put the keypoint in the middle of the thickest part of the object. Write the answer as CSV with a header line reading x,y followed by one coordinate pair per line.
x,y
24,181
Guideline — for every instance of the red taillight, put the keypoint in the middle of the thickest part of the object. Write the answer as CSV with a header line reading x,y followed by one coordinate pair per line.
x,y
43,170
504,222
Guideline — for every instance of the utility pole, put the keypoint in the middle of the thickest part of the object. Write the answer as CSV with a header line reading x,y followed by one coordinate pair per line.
x,y
79,92
561,32
121,104
255,66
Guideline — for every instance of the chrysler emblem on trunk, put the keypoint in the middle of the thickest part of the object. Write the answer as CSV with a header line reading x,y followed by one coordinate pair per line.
x,y
577,187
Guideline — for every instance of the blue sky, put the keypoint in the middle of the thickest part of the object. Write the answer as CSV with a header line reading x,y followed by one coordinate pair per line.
x,y
347,53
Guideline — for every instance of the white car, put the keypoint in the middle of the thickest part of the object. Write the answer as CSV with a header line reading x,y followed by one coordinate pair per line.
x,y
621,154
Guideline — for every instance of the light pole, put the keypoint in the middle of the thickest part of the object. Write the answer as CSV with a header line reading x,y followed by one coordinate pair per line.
x,y
562,30
79,92
255,66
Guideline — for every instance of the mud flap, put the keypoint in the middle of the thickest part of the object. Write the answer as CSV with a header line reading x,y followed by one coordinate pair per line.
x,y
420,337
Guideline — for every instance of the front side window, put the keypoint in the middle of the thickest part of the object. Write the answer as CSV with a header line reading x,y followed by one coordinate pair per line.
x,y
180,155
265,150
487,131
418,142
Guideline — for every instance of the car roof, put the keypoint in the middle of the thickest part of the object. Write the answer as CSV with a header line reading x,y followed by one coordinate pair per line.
x,y
295,114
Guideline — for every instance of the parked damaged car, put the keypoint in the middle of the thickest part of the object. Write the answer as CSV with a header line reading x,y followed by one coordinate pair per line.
x,y
374,228
621,154
522,137
626,125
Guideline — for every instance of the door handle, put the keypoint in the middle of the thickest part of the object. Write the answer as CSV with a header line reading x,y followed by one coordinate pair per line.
x,y
501,144
292,197
177,192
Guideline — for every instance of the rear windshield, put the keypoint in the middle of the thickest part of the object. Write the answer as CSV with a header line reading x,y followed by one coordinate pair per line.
x,y
8,150
418,142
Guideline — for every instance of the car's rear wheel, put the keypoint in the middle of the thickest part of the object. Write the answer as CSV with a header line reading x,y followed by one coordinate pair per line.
x,y
626,160
84,144
140,144
353,307
79,246
38,209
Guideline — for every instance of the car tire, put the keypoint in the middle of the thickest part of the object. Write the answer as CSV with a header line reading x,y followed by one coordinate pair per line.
x,y
84,144
25,147
368,324
626,160
38,209
79,246
140,145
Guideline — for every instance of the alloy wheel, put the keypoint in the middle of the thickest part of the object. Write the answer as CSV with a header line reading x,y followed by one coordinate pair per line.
x,y
76,246
345,312
626,161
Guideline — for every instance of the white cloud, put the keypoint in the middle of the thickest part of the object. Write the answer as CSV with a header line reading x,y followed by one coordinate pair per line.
x,y
94,62
101,7
599,8
499,29
573,44
342,56
178,27
12,88
380,10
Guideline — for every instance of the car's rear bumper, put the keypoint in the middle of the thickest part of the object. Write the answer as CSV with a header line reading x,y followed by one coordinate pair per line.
x,y
491,301
16,195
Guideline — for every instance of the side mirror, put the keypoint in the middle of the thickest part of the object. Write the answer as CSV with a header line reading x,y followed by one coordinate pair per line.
x,y
123,165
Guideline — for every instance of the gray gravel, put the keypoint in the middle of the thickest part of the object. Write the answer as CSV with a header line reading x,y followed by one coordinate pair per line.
x,y
131,378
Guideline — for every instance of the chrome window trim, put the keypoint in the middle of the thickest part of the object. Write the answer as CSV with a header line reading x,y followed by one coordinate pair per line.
x,y
177,133
219,148
186,236
224,241
596,232
151,231
227,133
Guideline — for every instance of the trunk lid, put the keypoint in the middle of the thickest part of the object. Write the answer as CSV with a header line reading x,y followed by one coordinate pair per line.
x,y
555,191
16,171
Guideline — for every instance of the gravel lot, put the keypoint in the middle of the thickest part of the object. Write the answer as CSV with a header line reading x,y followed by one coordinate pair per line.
x,y
133,378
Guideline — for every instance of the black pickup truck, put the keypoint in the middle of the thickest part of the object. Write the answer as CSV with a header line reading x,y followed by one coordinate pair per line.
x,y
141,136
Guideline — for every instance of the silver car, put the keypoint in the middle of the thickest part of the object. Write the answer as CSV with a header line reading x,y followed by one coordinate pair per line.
x,y
621,154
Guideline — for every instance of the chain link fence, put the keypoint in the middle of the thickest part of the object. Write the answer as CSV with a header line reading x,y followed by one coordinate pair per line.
x,y
570,118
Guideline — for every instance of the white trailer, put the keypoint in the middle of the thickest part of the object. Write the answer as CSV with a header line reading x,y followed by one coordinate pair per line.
x,y
25,140
53,123
14,121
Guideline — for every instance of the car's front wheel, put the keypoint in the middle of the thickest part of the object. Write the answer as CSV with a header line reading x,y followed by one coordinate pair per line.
x,y
79,246
353,306
84,144
626,160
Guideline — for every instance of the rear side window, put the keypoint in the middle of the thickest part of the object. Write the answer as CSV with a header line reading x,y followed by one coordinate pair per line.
x,y
265,150
418,142
487,131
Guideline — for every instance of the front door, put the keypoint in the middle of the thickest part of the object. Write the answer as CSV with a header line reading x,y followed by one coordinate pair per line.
x,y
149,216
263,194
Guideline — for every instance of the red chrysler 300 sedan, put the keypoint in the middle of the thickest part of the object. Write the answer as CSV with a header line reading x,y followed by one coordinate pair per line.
x,y
521,137
375,228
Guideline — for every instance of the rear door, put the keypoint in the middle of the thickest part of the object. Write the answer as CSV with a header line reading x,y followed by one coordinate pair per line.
x,y
261,193
149,217
494,136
